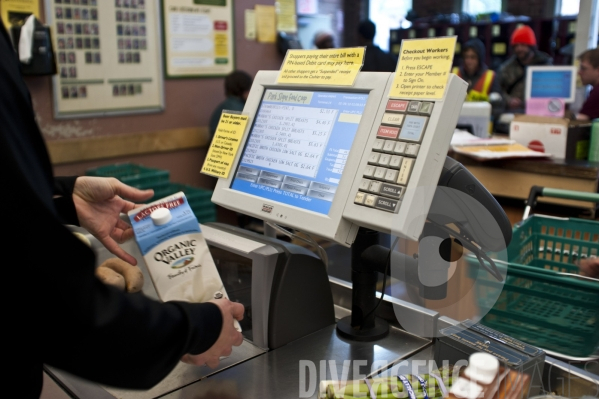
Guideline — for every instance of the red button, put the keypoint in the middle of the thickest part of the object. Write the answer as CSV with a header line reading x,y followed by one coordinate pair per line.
x,y
397,105
388,132
220,25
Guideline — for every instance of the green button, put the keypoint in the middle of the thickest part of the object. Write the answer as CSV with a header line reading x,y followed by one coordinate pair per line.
x,y
221,60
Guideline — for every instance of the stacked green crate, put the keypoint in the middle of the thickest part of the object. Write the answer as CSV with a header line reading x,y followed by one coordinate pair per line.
x,y
159,180
134,175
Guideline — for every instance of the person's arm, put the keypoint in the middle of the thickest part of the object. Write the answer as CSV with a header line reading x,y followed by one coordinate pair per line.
x,y
589,267
582,117
63,199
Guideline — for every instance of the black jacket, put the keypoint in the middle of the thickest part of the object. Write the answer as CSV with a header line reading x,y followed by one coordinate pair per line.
x,y
55,311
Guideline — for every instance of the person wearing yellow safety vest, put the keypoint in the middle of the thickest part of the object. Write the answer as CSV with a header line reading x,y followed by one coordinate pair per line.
x,y
482,82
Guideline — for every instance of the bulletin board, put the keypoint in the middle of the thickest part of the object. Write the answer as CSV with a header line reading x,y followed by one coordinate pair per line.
x,y
198,38
108,55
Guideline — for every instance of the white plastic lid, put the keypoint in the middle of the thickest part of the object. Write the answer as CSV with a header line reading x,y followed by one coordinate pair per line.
x,y
161,216
482,367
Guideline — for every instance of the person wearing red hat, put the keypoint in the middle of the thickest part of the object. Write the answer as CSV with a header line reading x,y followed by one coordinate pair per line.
x,y
512,73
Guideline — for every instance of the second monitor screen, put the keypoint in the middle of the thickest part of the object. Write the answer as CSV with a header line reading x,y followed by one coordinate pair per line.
x,y
298,146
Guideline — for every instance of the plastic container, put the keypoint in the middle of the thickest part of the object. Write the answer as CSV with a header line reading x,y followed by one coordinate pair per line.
x,y
544,301
134,175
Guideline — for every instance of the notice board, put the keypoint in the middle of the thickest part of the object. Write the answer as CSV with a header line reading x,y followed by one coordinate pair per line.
x,y
108,55
198,38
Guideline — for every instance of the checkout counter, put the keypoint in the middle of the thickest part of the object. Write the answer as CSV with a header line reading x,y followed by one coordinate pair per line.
x,y
303,324
295,369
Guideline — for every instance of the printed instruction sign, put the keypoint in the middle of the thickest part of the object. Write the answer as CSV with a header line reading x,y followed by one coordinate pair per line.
x,y
423,68
335,67
225,145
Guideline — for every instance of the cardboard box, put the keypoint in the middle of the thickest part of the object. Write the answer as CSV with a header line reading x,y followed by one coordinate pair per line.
x,y
560,137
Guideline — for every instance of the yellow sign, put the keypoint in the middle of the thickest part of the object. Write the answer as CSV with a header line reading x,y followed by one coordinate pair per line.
x,y
336,67
423,68
224,145
266,23
15,11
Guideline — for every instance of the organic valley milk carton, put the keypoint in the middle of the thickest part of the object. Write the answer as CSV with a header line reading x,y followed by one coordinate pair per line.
x,y
175,251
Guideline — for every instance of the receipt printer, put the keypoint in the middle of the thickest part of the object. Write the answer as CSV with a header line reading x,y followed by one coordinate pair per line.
x,y
284,287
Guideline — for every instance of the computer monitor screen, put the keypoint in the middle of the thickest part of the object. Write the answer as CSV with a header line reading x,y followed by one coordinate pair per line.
x,y
298,146
551,82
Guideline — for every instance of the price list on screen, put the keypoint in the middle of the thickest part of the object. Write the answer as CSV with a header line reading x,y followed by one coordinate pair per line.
x,y
290,138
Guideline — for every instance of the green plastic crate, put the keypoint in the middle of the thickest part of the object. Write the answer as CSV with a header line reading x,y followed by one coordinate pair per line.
x,y
543,302
134,175
199,199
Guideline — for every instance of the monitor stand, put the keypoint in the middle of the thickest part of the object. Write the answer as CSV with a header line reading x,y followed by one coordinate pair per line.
x,y
362,325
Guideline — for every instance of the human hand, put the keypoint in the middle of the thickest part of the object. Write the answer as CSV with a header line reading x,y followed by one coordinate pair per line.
x,y
99,203
514,102
589,267
228,337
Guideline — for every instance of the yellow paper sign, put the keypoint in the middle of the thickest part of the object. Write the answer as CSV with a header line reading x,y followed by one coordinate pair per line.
x,y
15,11
224,145
266,23
337,67
423,68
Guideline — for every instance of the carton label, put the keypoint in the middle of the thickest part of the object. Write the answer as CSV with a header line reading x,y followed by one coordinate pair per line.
x,y
176,253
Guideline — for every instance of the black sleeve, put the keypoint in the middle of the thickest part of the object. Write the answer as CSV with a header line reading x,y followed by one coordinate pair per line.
x,y
63,200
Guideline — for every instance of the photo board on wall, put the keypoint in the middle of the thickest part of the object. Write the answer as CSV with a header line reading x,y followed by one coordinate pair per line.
x,y
109,57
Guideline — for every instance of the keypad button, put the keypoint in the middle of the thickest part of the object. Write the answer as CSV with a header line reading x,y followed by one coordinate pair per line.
x,y
374,157
392,190
380,173
364,184
387,132
405,170
413,107
425,108
386,204
389,145
384,159
369,171
413,128
370,200
395,161
378,144
391,118
360,197
375,186
391,175
400,147
397,105
412,149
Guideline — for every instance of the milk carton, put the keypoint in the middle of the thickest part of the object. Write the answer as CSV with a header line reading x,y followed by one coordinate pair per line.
x,y
175,251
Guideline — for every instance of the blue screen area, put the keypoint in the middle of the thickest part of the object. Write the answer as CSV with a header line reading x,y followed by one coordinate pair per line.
x,y
298,146
551,84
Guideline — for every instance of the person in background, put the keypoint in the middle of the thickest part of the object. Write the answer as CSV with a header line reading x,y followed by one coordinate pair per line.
x,y
483,84
65,316
512,73
324,40
589,75
375,59
237,87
